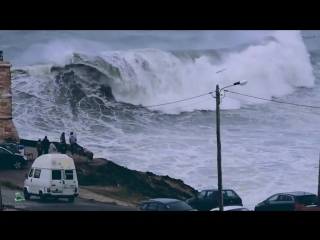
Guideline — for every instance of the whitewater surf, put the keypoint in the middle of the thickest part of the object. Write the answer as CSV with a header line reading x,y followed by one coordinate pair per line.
x,y
96,88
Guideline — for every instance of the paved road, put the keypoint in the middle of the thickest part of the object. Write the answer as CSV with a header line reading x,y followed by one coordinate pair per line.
x,y
34,204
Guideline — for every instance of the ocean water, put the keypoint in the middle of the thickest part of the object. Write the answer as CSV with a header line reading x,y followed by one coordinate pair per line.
x,y
99,84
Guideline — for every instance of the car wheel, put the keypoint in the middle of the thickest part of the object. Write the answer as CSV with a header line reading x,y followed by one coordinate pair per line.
x,y
26,194
17,165
71,199
42,197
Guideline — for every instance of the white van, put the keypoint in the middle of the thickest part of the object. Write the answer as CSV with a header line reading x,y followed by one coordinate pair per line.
x,y
52,176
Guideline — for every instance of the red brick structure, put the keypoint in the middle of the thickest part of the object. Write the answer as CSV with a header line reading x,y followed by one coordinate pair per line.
x,y
8,130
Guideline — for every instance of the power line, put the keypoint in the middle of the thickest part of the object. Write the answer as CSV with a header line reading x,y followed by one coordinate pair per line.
x,y
293,110
271,100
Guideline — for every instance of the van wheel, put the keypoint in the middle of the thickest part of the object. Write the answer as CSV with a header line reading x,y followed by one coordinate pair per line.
x,y
26,194
71,199
17,165
42,197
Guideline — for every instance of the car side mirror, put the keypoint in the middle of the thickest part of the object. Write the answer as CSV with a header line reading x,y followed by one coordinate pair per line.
x,y
26,175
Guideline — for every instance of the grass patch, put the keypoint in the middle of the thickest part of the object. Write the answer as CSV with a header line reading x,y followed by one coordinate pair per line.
x,y
10,185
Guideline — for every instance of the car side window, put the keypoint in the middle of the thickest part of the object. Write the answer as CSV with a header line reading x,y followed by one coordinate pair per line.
x,y
231,194
153,207
285,198
162,207
202,194
37,173
273,198
3,151
31,172
144,206
209,194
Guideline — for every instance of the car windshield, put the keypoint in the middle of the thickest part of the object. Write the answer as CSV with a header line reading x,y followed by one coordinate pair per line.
x,y
179,206
12,148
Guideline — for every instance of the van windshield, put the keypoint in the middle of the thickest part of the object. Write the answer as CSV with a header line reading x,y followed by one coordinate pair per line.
x,y
69,174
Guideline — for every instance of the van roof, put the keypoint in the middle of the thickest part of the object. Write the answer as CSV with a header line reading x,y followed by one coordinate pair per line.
x,y
54,161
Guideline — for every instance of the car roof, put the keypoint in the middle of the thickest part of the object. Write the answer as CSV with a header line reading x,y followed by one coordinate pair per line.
x,y
162,200
6,143
297,193
226,208
216,189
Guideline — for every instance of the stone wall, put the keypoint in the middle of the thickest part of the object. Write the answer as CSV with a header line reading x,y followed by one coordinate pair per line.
x,y
8,130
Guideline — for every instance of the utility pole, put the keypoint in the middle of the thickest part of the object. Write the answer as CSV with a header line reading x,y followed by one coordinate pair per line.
x,y
220,196
319,182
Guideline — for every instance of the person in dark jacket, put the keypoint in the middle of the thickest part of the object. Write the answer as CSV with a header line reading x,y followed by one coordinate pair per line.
x,y
63,138
63,144
45,145
39,148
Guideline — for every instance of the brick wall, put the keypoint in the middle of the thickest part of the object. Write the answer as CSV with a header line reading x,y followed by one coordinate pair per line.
x,y
7,128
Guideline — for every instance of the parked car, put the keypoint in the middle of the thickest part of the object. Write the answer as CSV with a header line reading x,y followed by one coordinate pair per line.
x,y
14,148
231,209
11,160
165,204
290,201
208,199
1,205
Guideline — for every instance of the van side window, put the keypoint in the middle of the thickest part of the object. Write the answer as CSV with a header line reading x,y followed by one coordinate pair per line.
x,y
37,173
56,175
69,174
31,172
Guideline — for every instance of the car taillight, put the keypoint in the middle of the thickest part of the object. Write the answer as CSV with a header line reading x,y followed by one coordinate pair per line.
x,y
48,190
299,207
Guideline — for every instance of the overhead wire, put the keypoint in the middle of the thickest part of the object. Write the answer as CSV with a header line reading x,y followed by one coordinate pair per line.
x,y
272,100
274,106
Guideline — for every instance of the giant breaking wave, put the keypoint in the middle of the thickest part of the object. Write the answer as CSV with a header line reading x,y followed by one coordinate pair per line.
x,y
114,80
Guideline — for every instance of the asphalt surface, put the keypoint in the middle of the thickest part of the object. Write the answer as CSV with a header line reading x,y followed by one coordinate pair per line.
x,y
34,204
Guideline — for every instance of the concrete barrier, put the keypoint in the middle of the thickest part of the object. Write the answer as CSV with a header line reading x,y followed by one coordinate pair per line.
x,y
78,149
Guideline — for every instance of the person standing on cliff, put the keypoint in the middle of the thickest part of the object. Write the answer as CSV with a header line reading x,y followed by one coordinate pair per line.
x,y
63,144
45,145
39,148
63,138
73,142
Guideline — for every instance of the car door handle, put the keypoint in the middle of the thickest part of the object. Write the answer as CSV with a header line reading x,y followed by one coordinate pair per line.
x,y
30,180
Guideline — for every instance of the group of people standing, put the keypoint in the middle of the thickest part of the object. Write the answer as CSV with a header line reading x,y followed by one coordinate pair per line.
x,y
46,147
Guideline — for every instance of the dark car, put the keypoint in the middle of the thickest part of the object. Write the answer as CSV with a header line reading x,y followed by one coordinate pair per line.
x,y
11,160
1,206
290,201
10,146
208,199
165,204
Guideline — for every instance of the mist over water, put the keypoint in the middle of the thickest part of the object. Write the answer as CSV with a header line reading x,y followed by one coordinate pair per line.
x,y
92,81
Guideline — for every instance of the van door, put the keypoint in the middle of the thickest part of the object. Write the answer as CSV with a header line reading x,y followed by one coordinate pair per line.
x,y
56,182
68,182
28,182
36,182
